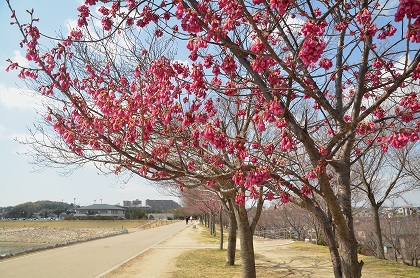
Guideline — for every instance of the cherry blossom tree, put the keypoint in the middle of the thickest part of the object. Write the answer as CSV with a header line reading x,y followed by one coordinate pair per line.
x,y
207,203
313,84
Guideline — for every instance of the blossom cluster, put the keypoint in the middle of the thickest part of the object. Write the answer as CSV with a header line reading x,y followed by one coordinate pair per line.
x,y
313,46
411,10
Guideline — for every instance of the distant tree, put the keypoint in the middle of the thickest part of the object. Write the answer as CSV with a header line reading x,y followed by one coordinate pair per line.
x,y
29,208
383,175
411,240
209,202
391,230
206,202
271,220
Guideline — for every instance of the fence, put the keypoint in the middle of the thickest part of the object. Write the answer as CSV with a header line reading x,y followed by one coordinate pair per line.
x,y
274,234
154,224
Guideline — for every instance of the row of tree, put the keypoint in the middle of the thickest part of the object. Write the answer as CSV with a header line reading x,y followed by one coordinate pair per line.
x,y
280,99
399,233
401,238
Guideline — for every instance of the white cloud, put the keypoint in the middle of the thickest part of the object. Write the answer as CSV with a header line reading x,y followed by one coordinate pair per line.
x,y
19,98
2,131
71,24
19,136
389,7
19,148
21,60
402,62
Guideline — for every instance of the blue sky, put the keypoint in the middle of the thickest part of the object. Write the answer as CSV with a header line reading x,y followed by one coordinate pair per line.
x,y
18,181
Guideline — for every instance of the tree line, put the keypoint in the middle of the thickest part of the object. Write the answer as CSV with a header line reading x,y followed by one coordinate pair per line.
x,y
43,208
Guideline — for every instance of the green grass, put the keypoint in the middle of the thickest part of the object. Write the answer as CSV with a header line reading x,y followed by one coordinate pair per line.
x,y
205,263
207,238
307,247
374,267
74,223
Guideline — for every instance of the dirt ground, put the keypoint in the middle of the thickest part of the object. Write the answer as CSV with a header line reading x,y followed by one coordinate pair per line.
x,y
283,261
159,261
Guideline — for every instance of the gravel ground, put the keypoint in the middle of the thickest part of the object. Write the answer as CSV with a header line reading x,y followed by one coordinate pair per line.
x,y
39,238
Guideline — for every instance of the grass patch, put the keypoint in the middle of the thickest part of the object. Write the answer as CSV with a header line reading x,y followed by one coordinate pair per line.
x,y
374,267
74,223
205,263
206,238
308,247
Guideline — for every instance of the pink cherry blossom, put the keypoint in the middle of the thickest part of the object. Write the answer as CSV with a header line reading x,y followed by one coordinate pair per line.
x,y
240,198
284,197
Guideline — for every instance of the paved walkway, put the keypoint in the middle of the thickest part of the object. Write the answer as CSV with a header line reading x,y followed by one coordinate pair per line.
x,y
90,259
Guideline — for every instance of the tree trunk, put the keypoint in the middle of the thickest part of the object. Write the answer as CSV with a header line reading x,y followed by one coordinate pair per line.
x,y
343,217
325,220
332,247
231,249
211,224
214,227
247,244
351,267
380,254
221,227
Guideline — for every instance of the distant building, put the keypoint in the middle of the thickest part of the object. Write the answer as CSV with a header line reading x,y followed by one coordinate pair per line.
x,y
161,204
136,203
405,210
101,210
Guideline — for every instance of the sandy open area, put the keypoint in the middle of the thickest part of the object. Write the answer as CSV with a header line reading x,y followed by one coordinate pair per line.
x,y
283,261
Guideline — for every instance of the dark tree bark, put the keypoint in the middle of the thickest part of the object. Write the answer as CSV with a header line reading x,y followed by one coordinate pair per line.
x,y
380,254
246,241
233,227
221,227
351,267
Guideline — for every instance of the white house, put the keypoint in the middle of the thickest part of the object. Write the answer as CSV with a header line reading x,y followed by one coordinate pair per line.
x,y
101,210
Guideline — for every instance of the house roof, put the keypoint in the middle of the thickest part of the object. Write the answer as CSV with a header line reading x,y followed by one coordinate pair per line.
x,y
102,206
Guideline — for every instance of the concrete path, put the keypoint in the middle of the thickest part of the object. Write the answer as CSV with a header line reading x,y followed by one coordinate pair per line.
x,y
90,259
